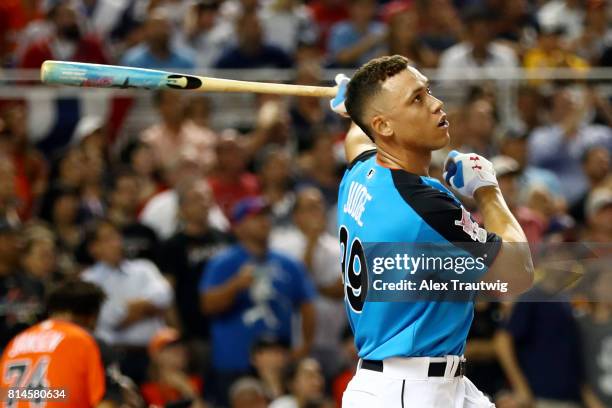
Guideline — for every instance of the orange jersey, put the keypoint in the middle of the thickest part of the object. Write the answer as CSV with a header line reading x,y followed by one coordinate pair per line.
x,y
56,355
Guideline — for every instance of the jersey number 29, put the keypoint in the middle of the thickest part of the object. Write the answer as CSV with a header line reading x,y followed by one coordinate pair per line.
x,y
354,271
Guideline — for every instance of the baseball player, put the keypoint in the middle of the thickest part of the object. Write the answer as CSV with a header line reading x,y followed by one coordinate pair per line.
x,y
411,352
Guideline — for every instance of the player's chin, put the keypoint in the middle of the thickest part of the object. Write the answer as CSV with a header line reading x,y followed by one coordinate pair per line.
x,y
440,138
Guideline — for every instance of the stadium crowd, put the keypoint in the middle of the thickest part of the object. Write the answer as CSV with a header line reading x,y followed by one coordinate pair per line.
x,y
182,225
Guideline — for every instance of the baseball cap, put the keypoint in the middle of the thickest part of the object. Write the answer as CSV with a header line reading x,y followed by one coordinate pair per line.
x,y
247,207
163,338
598,199
505,165
85,127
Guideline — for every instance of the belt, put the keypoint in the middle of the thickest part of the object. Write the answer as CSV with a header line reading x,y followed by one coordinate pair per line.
x,y
436,369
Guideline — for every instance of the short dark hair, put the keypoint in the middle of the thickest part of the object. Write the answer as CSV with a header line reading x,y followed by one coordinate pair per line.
x,y
75,296
367,82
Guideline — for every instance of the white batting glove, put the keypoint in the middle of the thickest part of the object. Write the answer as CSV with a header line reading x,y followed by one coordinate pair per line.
x,y
337,104
468,172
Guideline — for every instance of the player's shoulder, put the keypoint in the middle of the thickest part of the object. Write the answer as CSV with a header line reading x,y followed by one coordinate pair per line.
x,y
423,194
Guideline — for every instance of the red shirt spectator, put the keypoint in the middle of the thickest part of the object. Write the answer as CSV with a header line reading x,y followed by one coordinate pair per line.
x,y
326,13
66,43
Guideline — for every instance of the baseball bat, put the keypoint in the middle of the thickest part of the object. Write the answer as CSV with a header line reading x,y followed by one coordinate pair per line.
x,y
113,76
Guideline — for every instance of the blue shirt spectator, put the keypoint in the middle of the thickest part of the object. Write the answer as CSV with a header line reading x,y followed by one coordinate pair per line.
x,y
280,286
142,57
354,42
157,51
251,51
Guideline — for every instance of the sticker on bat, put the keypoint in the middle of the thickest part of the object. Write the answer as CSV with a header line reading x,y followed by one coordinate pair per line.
x,y
176,81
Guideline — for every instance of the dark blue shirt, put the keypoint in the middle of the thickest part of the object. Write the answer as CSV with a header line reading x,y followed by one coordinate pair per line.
x,y
547,346
281,285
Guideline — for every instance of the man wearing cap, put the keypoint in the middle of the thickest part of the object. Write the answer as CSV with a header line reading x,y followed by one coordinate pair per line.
x,y
250,290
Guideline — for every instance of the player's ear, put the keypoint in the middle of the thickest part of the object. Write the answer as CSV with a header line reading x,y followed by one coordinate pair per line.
x,y
381,126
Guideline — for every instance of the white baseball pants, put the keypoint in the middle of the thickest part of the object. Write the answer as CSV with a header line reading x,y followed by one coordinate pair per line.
x,y
404,383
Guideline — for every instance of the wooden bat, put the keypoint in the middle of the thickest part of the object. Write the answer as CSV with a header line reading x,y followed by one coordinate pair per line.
x,y
112,76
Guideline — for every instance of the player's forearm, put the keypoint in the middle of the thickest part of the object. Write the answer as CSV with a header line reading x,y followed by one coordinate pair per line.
x,y
513,264
590,399
497,216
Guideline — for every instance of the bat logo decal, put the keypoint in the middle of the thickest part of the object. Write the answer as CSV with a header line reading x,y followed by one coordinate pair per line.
x,y
176,81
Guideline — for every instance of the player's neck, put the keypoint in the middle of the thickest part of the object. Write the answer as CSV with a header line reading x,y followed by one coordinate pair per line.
x,y
407,160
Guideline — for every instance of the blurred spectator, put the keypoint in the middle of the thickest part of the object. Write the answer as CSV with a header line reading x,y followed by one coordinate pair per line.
x,y
357,40
177,136
517,25
310,242
530,104
404,39
326,13
559,146
230,181
64,207
288,23
141,158
550,52
441,26
162,211
477,51
305,385
596,342
139,241
252,50
247,392
350,358
596,36
137,297
308,114
9,202
567,14
484,368
185,254
94,170
319,167
59,352
20,294
269,357
275,178
40,258
14,17
598,211
250,290
29,165
507,171
596,167
539,346
206,33
169,382
66,42
480,127
157,50
514,144
91,137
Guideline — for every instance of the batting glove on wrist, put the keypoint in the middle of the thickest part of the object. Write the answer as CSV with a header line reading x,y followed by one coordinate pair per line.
x,y
466,173
337,104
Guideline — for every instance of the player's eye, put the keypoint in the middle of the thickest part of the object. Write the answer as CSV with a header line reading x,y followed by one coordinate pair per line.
x,y
418,98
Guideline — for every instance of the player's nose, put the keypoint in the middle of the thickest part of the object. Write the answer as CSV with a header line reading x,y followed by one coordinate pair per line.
x,y
436,106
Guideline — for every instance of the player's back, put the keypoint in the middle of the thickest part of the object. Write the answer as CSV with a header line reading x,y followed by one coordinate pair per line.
x,y
56,356
383,212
